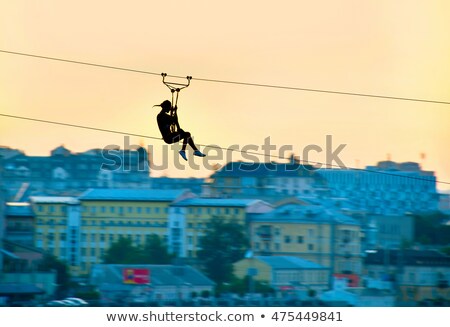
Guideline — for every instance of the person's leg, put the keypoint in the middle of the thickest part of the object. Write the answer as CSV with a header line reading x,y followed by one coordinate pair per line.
x,y
192,144
188,139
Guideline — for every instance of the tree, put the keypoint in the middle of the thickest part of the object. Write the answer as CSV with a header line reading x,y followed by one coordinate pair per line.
x,y
123,252
48,263
155,251
430,229
223,244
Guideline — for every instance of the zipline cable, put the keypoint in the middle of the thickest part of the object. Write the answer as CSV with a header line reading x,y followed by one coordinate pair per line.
x,y
230,82
308,162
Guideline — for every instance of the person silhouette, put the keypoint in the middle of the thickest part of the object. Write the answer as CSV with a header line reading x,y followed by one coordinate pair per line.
x,y
171,131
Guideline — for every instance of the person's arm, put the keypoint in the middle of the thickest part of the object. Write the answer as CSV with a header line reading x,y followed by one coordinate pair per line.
x,y
175,118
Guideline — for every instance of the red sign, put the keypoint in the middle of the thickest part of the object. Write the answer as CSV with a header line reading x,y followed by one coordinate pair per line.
x,y
136,276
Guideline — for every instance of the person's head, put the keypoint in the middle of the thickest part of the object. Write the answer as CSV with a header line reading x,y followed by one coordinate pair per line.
x,y
166,106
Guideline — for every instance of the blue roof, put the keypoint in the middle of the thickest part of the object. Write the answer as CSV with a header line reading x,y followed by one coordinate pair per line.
x,y
130,195
288,262
212,202
260,169
296,213
107,275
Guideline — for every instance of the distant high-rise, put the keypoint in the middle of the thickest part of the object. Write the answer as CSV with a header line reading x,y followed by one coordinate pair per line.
x,y
389,188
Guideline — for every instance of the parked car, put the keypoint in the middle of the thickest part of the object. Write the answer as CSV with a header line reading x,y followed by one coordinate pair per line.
x,y
55,304
77,301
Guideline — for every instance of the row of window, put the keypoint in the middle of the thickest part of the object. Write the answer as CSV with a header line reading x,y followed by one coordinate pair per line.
x,y
138,210
96,237
276,247
92,222
122,210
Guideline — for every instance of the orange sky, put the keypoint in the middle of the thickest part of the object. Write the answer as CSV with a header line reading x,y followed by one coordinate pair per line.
x,y
396,48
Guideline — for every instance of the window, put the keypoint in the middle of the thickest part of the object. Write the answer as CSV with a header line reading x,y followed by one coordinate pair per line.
x,y
62,236
51,209
277,246
148,210
310,247
130,210
227,211
92,237
157,210
139,210
287,239
93,210
93,252
190,240
103,209
300,239
112,209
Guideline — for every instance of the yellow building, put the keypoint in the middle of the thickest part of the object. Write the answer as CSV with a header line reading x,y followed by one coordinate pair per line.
x,y
80,230
310,232
288,275
189,218
56,218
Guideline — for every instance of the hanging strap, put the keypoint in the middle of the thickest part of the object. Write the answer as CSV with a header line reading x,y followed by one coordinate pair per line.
x,y
175,88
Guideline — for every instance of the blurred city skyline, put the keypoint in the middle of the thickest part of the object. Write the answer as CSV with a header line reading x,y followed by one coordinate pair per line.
x,y
372,47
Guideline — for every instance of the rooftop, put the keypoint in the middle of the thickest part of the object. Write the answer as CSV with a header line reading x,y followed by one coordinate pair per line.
x,y
107,275
408,258
298,213
238,169
54,199
288,262
213,202
131,195
18,209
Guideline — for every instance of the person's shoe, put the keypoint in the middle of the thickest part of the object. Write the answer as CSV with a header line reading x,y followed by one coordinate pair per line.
x,y
183,154
199,154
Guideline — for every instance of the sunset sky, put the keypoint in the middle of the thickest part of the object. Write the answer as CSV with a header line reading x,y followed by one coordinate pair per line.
x,y
393,48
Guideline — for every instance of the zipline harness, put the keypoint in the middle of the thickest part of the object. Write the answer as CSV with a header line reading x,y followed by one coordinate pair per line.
x,y
175,88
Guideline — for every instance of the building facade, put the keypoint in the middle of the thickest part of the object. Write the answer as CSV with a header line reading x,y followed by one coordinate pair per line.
x,y
415,275
19,223
80,230
287,275
271,180
189,219
68,173
160,284
388,188
310,232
